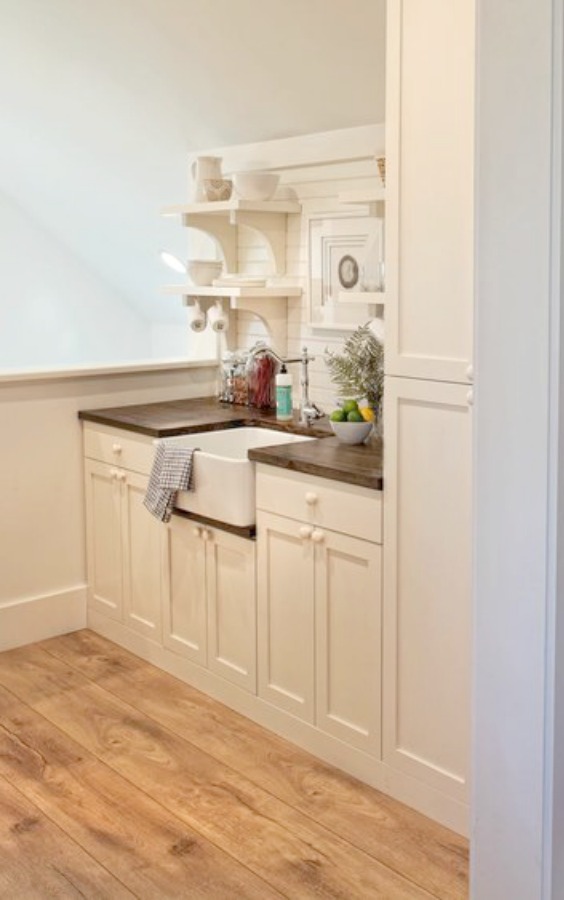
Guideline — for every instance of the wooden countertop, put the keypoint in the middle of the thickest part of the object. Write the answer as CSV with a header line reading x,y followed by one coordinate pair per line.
x,y
359,464
325,457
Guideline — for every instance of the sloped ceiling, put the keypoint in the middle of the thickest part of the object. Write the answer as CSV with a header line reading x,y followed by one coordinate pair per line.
x,y
102,101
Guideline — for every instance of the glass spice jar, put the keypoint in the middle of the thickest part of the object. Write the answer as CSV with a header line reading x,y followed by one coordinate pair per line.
x,y
225,392
240,383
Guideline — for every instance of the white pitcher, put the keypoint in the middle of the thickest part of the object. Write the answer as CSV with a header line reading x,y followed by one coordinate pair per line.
x,y
202,168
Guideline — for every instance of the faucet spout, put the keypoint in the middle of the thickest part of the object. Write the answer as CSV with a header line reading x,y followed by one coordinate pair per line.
x,y
308,409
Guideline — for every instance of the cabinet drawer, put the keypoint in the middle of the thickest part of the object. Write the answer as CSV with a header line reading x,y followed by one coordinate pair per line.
x,y
332,504
118,447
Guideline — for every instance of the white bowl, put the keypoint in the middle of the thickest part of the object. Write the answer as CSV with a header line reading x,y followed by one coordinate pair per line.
x,y
255,185
351,432
203,271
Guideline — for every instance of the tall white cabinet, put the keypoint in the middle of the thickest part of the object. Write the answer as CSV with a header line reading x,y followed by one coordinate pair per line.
x,y
429,188
428,392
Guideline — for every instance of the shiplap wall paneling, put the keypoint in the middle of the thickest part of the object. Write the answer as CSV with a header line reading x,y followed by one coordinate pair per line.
x,y
317,188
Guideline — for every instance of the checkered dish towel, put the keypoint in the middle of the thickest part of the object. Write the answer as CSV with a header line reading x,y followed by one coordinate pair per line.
x,y
172,471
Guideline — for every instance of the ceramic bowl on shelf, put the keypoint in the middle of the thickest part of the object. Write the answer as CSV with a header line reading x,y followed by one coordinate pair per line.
x,y
217,189
255,185
203,271
351,432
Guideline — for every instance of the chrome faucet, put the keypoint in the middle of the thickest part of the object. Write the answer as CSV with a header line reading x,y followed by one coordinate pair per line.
x,y
308,409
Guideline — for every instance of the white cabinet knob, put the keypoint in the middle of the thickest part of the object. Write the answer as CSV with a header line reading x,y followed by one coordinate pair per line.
x,y
113,473
306,531
196,531
470,373
311,498
117,448
318,536
122,476
470,398
206,535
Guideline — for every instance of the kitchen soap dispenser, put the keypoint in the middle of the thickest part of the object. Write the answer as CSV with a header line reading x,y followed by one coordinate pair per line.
x,y
284,412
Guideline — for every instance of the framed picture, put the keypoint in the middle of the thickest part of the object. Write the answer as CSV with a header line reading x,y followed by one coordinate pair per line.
x,y
346,257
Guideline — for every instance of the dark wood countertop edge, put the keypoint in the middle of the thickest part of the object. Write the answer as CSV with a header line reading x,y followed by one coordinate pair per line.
x,y
165,431
99,417
362,479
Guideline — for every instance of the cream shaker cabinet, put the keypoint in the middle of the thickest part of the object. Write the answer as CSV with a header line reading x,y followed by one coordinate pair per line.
x,y
209,599
123,540
428,393
427,583
184,590
319,604
104,515
429,188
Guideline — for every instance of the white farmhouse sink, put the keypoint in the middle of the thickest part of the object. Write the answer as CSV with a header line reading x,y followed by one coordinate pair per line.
x,y
224,477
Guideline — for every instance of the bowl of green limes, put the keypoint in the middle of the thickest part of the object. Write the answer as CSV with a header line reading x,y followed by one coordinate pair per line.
x,y
352,424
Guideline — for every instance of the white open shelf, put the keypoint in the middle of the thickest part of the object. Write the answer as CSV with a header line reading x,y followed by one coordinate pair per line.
x,y
221,207
331,326
358,297
372,195
251,293
267,217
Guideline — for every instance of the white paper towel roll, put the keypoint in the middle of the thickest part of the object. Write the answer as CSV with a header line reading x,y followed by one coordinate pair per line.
x,y
196,317
217,318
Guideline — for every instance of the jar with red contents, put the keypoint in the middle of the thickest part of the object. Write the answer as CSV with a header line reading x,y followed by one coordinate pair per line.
x,y
261,373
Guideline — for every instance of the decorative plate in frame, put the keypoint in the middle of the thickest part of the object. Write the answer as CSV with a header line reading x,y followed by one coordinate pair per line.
x,y
346,260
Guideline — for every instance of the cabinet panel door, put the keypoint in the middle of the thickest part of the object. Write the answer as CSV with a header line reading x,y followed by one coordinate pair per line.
x,y
348,610
231,604
184,590
141,559
285,615
103,532
427,582
429,188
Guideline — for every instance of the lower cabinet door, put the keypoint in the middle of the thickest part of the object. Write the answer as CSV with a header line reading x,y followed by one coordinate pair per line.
x,y
184,589
231,607
427,582
103,535
285,615
348,611
141,559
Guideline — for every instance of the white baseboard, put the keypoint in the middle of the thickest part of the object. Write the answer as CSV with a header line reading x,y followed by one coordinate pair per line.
x,y
37,618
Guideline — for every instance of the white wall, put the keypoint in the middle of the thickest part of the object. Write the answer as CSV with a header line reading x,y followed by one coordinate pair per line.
x,y
42,556
56,310
101,103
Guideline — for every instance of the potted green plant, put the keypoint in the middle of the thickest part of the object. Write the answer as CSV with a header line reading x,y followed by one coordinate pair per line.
x,y
358,371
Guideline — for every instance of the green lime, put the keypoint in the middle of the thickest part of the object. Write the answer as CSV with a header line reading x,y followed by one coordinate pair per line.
x,y
338,415
350,406
354,416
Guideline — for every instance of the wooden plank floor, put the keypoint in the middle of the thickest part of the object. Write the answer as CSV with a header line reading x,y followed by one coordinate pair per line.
x,y
117,780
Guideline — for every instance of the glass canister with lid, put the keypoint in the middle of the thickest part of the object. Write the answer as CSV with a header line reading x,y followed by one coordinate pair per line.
x,y
261,373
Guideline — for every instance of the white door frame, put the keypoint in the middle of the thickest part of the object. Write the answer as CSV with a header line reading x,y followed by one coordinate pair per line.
x,y
518,748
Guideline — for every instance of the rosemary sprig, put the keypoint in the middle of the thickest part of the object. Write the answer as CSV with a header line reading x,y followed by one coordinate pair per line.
x,y
358,372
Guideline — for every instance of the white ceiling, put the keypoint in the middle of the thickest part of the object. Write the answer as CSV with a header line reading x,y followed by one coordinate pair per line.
x,y
101,101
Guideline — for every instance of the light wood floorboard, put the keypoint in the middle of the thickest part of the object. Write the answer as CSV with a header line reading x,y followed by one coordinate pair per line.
x,y
144,786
